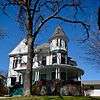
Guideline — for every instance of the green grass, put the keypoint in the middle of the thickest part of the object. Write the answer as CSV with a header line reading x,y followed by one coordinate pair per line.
x,y
51,98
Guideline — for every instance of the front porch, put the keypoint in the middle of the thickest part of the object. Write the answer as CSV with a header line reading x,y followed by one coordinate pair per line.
x,y
57,72
56,80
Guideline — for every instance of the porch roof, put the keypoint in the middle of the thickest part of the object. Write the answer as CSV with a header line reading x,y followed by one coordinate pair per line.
x,y
68,68
75,70
91,82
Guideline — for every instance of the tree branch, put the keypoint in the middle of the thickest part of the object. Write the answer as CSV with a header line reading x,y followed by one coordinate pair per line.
x,y
84,25
35,6
9,4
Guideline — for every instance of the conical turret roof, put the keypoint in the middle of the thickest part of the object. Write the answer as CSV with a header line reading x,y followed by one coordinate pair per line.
x,y
59,33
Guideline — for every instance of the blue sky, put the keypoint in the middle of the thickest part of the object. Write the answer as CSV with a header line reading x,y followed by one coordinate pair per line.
x,y
14,36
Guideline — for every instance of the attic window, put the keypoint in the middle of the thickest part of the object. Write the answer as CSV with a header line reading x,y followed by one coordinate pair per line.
x,y
15,62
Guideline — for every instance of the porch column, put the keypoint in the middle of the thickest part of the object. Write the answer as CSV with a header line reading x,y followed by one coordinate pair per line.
x,y
59,73
37,75
49,74
56,73
79,78
66,75
17,78
21,79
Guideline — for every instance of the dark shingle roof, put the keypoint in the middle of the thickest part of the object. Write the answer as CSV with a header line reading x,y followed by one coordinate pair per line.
x,y
59,33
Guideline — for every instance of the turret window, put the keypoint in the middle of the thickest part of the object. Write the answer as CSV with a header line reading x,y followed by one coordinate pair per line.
x,y
54,58
60,42
62,58
57,42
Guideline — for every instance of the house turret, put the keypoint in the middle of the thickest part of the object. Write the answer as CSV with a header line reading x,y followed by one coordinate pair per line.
x,y
51,62
58,46
59,40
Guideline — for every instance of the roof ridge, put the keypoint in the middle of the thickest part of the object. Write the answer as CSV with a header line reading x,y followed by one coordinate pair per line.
x,y
59,33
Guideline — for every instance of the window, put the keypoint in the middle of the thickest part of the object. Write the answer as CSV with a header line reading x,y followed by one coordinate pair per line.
x,y
60,42
15,62
13,80
62,58
44,60
57,42
54,58
20,60
20,79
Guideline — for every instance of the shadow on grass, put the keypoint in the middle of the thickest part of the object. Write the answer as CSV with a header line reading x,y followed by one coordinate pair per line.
x,y
52,98
94,98
55,97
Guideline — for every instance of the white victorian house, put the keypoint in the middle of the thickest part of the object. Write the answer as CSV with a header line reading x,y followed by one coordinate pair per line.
x,y
51,61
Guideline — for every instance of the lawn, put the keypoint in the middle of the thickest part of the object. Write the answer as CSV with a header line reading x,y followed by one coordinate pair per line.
x,y
51,98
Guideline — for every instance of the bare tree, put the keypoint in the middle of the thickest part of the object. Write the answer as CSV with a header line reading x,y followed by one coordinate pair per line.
x,y
99,18
92,46
92,50
2,33
33,15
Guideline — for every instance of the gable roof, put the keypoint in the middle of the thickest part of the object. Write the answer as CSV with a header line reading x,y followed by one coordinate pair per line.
x,y
20,48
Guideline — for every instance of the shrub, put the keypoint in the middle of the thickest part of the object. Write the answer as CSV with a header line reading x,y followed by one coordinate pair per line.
x,y
3,90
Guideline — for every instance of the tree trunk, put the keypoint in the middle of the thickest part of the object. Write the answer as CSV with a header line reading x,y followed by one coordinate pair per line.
x,y
28,72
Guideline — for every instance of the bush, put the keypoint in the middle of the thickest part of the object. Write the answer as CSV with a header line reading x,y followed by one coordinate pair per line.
x,y
3,90
55,87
